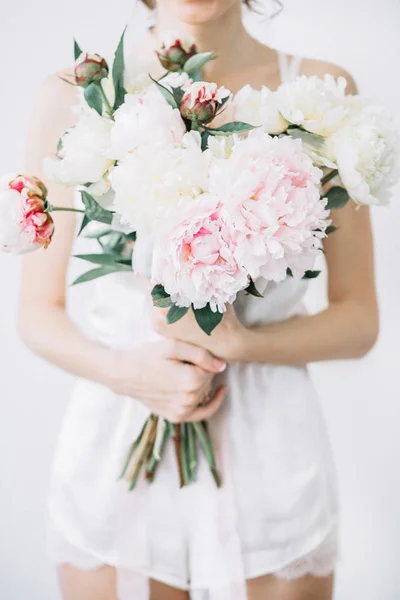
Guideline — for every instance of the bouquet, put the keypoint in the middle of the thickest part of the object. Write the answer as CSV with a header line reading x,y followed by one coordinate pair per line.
x,y
228,189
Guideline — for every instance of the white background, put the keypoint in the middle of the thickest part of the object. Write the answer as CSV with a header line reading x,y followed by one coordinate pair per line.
x,y
360,399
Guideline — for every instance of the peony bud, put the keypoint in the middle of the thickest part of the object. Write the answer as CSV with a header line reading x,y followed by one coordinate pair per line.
x,y
90,68
24,223
202,101
174,52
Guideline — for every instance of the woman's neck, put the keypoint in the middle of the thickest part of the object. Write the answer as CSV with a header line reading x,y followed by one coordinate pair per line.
x,y
225,36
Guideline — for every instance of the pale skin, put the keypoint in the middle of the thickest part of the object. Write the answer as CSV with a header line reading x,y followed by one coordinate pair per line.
x,y
158,374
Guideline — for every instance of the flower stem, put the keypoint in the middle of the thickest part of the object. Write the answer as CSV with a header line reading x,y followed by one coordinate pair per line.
x,y
326,179
177,442
51,208
108,106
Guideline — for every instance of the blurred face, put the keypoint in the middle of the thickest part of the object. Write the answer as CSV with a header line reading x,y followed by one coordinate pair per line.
x,y
197,12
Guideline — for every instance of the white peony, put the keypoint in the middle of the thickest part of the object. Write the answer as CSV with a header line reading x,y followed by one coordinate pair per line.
x,y
366,151
12,237
315,104
259,108
144,119
150,182
136,73
82,157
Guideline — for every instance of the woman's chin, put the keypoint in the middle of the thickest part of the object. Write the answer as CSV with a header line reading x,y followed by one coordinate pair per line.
x,y
197,12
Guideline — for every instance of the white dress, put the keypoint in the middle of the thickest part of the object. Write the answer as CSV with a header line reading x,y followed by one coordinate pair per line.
x,y
277,509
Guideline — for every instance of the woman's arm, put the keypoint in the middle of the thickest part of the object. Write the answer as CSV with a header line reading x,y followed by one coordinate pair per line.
x,y
43,322
158,373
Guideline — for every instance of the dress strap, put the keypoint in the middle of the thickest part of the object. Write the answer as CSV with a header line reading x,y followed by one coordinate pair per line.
x,y
289,67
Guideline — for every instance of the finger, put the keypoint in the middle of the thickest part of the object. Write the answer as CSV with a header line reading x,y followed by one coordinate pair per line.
x,y
203,413
195,355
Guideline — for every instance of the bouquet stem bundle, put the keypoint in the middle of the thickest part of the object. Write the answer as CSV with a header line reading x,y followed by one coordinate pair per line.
x,y
146,451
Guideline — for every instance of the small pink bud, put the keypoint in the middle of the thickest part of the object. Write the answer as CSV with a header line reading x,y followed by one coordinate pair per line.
x,y
202,100
90,68
174,52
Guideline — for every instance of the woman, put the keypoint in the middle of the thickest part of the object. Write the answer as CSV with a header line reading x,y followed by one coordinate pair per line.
x,y
270,532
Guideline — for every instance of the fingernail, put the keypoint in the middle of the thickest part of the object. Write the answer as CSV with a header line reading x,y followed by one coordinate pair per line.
x,y
220,365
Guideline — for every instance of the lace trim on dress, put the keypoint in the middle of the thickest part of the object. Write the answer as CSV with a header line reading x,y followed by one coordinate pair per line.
x,y
320,562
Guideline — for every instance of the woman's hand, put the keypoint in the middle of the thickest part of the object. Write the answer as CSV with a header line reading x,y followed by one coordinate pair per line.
x,y
227,341
172,378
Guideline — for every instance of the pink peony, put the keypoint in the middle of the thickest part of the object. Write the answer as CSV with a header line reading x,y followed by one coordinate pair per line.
x,y
269,189
195,259
202,100
24,223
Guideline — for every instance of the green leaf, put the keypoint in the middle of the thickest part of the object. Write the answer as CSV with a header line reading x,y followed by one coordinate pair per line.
x,y
168,95
95,235
206,444
337,197
195,76
77,50
207,319
330,229
175,313
204,139
94,98
251,289
118,70
59,146
105,259
178,94
94,211
196,62
311,274
234,127
161,298
289,272
130,237
99,272
85,221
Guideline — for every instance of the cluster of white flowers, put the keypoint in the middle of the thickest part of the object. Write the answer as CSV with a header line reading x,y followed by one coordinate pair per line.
x,y
338,131
154,179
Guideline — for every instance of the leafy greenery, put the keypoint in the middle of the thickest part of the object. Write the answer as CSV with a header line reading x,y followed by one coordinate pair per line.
x,y
77,50
337,198
106,258
207,319
330,229
251,289
168,95
100,272
196,62
95,212
118,70
94,98
228,128
175,313
311,274
161,298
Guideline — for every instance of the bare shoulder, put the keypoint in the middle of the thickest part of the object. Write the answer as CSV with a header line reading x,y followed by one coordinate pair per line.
x,y
51,117
320,68
56,96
